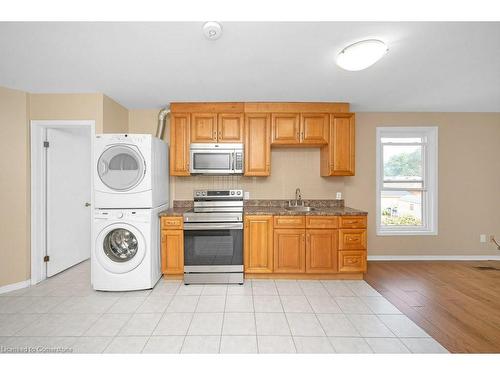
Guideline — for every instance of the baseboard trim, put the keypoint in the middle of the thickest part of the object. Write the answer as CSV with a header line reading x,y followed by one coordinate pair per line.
x,y
432,257
15,286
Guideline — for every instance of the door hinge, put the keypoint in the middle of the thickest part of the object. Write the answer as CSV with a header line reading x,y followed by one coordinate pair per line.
x,y
46,258
46,144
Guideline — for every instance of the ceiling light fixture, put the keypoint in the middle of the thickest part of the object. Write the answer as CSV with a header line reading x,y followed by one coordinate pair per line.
x,y
212,30
361,55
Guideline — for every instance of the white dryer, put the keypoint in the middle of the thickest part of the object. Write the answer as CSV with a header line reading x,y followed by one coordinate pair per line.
x,y
131,171
126,249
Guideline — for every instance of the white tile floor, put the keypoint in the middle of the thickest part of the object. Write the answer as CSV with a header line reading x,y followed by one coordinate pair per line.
x,y
263,316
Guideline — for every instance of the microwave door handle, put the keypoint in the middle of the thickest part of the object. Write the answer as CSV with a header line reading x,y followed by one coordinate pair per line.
x,y
233,157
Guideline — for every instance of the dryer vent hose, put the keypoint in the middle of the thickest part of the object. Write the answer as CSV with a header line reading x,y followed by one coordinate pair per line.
x,y
162,118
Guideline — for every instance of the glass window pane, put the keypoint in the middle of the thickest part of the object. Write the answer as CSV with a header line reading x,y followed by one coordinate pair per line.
x,y
401,208
401,140
403,185
402,163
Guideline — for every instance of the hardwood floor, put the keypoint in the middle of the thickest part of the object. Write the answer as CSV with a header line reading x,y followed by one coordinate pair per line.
x,y
455,302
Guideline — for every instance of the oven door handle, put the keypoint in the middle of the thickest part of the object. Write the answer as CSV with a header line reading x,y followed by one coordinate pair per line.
x,y
211,226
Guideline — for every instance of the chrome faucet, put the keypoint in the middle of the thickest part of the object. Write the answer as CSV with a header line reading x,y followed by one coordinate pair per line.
x,y
298,199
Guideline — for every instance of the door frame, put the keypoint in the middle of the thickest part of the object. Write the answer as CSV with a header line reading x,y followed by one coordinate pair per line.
x,y
38,167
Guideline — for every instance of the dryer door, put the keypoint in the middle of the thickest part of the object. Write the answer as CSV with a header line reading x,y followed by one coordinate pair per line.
x,y
120,248
121,167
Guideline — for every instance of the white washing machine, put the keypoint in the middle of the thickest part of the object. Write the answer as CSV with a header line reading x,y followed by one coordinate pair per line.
x,y
131,171
126,249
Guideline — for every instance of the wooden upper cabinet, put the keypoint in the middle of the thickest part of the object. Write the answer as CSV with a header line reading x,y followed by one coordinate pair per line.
x,y
172,252
285,128
289,250
230,128
257,144
203,127
314,129
179,144
337,159
258,244
321,251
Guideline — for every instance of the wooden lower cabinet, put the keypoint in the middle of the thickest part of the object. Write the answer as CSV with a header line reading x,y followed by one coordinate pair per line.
x,y
172,252
289,250
321,251
258,244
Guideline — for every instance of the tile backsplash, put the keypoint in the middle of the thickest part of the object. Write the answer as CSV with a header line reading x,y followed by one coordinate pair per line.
x,y
290,169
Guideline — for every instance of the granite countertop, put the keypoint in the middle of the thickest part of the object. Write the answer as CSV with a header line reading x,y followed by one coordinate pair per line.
x,y
320,211
278,207
175,211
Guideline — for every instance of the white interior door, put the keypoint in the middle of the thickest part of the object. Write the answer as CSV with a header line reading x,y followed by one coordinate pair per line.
x,y
68,197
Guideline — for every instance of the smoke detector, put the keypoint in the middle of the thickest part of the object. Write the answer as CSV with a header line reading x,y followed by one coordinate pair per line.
x,y
212,30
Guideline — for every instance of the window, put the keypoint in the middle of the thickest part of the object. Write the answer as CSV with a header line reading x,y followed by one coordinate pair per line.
x,y
406,180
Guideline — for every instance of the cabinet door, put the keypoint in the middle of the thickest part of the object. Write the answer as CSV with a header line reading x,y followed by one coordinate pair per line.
x,y
321,251
179,144
258,244
289,250
314,128
257,144
342,145
230,128
172,252
285,128
203,127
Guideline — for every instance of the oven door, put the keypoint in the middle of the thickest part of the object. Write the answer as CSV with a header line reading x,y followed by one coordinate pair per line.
x,y
212,161
213,247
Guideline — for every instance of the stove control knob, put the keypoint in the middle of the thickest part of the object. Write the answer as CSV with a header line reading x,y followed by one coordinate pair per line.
x,y
232,192
204,193
238,192
197,193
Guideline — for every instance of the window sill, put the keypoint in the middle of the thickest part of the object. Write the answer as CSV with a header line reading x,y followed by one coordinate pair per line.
x,y
426,232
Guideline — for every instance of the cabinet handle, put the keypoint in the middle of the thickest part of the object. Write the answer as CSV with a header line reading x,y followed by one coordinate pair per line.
x,y
220,134
298,135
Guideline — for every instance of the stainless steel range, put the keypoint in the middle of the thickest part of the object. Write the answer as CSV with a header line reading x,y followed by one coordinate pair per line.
x,y
213,238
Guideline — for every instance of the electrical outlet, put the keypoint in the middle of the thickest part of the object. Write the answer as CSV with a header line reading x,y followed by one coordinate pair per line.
x,y
338,195
482,238
246,195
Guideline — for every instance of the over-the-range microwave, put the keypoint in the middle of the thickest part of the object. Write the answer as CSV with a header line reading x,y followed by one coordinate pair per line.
x,y
216,158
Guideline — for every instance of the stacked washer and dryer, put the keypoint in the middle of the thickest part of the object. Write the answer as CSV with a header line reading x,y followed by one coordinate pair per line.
x,y
130,189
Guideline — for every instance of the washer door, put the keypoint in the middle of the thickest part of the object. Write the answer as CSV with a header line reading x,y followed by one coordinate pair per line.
x,y
120,248
121,167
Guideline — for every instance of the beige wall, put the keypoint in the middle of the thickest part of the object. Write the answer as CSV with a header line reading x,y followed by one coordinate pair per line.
x,y
17,108
469,179
14,187
114,116
68,107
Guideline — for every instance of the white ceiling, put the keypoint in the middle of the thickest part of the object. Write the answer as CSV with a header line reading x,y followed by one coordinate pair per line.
x,y
429,66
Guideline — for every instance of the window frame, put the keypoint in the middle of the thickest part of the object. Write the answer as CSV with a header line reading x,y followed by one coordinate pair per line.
x,y
429,176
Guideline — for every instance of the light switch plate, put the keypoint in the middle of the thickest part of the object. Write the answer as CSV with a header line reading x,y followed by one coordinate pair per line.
x,y
246,195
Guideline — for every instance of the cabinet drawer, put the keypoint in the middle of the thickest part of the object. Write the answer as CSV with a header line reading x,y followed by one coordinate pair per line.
x,y
352,261
172,222
322,222
352,239
352,222
289,221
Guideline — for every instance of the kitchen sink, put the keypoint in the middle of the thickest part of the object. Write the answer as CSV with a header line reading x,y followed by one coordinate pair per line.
x,y
300,208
